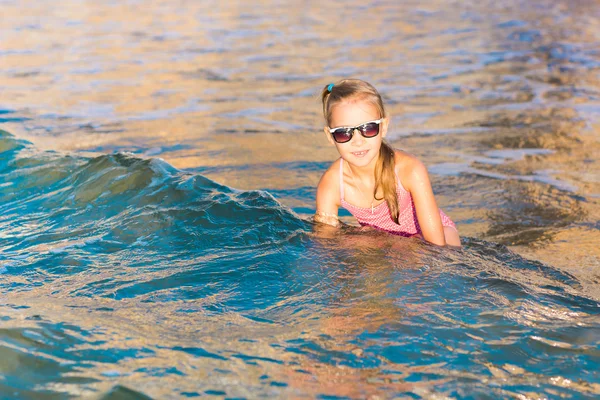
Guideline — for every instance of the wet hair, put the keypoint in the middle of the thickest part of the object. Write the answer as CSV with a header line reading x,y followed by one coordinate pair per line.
x,y
356,89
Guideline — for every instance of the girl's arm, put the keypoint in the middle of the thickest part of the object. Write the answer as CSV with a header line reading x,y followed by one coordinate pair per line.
x,y
328,199
428,213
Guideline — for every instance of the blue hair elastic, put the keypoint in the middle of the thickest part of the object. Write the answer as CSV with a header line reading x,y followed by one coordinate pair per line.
x,y
329,87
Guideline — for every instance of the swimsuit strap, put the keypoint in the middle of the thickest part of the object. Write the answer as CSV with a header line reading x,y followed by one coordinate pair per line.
x,y
341,178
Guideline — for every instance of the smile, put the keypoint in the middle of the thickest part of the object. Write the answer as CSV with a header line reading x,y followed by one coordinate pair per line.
x,y
360,153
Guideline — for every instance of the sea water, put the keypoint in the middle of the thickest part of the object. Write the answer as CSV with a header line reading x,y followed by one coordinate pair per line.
x,y
158,166
124,276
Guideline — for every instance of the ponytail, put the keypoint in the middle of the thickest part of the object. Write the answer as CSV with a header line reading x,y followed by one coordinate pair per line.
x,y
385,177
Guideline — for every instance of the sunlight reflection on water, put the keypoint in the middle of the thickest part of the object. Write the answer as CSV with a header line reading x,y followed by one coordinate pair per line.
x,y
125,272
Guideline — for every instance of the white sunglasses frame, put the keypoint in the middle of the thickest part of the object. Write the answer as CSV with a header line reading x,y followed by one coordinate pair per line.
x,y
354,128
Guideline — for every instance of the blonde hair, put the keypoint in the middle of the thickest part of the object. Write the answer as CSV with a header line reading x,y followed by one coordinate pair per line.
x,y
385,177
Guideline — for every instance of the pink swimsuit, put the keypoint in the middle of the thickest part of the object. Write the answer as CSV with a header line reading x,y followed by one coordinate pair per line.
x,y
380,217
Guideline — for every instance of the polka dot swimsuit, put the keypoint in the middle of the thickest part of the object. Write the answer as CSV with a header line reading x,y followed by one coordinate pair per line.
x,y
380,218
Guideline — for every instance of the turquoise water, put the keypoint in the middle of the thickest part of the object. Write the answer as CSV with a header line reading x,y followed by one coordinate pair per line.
x,y
124,276
158,165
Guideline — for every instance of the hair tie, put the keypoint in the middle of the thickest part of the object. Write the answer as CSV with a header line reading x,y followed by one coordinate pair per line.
x,y
329,87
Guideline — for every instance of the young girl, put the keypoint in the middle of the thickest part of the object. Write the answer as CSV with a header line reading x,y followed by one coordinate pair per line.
x,y
383,188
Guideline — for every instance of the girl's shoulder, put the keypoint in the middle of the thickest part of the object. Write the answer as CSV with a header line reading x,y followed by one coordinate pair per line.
x,y
405,162
408,167
333,170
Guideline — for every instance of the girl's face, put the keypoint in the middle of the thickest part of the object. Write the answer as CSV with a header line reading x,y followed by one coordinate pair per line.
x,y
359,151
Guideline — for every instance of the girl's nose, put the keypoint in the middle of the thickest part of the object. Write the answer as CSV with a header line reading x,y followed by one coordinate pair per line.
x,y
358,138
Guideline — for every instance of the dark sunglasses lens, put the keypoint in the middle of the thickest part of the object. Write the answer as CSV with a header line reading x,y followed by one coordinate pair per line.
x,y
370,130
342,135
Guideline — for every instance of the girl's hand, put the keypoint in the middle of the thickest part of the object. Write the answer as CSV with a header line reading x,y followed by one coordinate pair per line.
x,y
327,218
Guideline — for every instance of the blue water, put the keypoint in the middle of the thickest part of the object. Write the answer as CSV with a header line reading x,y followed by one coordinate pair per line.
x,y
124,276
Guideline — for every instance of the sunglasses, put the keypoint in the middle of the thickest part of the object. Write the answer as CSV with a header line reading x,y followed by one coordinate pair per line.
x,y
368,130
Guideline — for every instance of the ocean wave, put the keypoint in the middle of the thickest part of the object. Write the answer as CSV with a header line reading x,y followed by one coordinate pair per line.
x,y
120,272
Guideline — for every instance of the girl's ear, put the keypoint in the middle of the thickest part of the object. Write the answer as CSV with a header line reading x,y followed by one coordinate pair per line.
x,y
328,135
384,125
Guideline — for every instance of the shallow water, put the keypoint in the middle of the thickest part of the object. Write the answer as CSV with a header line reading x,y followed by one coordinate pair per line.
x,y
157,180
120,270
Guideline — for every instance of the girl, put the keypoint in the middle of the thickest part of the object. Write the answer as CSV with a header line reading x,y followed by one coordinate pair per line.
x,y
383,188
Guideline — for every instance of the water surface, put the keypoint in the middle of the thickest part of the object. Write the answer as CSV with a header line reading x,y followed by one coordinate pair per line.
x,y
157,174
